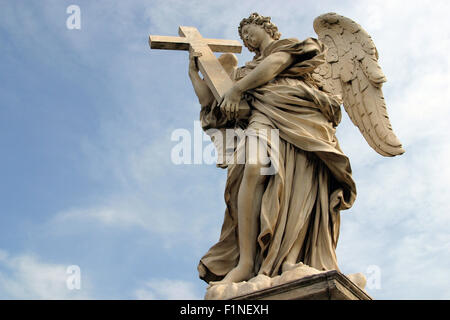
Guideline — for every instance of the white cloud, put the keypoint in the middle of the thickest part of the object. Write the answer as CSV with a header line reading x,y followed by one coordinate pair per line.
x,y
25,276
167,289
158,222
122,215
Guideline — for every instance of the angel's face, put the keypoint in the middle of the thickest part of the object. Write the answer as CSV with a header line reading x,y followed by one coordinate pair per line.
x,y
254,35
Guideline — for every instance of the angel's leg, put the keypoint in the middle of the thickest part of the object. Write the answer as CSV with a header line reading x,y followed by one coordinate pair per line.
x,y
307,198
249,205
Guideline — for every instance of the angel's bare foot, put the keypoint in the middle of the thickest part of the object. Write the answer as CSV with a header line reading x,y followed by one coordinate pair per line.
x,y
238,274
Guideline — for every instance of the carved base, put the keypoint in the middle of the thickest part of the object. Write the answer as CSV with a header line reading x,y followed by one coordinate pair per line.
x,y
330,285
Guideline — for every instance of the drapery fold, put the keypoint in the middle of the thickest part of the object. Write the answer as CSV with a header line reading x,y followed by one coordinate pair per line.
x,y
301,203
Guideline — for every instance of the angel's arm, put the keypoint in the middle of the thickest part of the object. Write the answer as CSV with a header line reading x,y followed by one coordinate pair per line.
x,y
268,69
204,94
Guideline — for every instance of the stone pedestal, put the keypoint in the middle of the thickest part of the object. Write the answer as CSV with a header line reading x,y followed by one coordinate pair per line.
x,y
331,285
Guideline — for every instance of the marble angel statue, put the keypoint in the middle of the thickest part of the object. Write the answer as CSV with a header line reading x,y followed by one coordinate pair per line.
x,y
274,223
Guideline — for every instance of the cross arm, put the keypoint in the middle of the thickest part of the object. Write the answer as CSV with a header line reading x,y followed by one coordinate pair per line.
x,y
182,43
168,43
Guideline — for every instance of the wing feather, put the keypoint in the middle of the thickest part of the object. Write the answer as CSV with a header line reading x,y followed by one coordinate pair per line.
x,y
352,71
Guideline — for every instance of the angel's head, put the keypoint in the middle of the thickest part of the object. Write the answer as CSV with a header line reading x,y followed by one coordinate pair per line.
x,y
254,28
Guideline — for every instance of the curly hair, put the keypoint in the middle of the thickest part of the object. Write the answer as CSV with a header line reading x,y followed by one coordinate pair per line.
x,y
257,19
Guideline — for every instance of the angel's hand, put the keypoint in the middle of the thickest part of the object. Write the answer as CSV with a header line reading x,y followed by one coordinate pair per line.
x,y
230,103
193,67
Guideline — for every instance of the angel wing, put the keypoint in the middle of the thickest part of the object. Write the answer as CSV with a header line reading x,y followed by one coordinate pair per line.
x,y
352,72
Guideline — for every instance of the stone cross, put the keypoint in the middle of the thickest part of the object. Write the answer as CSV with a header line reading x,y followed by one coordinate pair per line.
x,y
215,76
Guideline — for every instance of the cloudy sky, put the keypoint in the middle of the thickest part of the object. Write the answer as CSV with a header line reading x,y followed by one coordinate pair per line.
x,y
86,118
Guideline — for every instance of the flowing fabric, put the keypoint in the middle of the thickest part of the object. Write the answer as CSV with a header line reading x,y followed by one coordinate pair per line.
x,y
301,203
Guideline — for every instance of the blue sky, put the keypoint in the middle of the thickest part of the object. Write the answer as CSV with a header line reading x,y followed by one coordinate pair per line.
x,y
86,118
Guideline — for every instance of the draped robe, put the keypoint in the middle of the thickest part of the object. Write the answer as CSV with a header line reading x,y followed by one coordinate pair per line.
x,y
301,203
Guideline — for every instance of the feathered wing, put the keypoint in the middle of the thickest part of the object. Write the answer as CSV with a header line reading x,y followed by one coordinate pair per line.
x,y
352,71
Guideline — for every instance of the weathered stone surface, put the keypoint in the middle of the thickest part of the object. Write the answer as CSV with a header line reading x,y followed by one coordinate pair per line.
x,y
330,285
302,280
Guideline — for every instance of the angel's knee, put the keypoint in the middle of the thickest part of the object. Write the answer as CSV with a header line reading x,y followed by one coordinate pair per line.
x,y
253,173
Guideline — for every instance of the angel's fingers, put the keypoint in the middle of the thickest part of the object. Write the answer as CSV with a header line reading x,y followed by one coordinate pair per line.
x,y
228,110
236,110
231,111
197,54
222,105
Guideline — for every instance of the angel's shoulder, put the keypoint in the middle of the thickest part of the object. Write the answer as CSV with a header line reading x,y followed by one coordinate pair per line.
x,y
295,46
279,45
